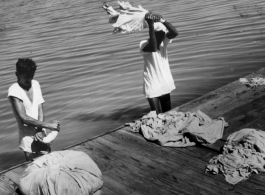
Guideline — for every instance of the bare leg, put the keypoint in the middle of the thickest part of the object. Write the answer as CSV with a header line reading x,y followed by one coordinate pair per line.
x,y
165,102
155,104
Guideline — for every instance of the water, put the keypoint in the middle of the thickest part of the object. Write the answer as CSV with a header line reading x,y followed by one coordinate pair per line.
x,y
92,80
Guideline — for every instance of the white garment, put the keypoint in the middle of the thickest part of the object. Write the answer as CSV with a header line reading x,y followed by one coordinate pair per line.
x,y
129,19
158,79
26,133
50,137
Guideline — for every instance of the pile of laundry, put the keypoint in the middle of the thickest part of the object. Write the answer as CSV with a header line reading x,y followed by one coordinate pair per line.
x,y
64,172
243,154
253,82
179,129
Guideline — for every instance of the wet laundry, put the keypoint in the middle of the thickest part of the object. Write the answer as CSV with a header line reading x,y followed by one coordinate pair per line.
x,y
253,82
179,129
65,172
243,154
128,19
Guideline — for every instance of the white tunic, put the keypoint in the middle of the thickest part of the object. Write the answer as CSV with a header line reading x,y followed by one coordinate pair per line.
x,y
158,79
26,133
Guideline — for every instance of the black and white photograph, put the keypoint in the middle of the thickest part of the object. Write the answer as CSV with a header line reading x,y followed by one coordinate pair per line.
x,y
138,97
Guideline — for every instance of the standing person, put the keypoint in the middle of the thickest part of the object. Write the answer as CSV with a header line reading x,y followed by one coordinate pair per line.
x,y
158,80
27,104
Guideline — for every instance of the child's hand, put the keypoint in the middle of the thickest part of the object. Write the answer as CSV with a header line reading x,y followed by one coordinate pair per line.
x,y
39,136
54,125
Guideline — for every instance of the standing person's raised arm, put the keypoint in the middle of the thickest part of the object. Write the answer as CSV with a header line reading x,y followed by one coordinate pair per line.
x,y
172,31
152,45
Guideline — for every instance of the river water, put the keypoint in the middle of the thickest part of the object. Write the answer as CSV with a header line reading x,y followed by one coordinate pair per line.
x,y
92,80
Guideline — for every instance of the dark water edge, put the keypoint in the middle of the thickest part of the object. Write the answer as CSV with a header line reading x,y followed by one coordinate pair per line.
x,y
92,80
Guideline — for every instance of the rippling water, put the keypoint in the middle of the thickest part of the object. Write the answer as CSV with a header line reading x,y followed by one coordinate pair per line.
x,y
92,80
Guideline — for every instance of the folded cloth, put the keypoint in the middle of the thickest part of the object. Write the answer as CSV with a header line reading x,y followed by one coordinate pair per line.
x,y
179,129
65,172
243,154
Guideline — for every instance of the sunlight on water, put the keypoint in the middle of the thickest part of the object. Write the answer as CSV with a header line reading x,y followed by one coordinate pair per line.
x,y
92,80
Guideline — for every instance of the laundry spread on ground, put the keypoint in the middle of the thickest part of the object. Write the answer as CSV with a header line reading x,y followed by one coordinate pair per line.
x,y
65,172
179,129
128,19
243,154
253,82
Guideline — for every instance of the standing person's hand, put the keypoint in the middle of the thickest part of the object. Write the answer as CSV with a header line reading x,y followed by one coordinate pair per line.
x,y
153,17
149,17
157,17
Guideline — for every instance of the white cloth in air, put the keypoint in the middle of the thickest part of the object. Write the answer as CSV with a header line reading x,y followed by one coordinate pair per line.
x,y
158,79
65,172
130,19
